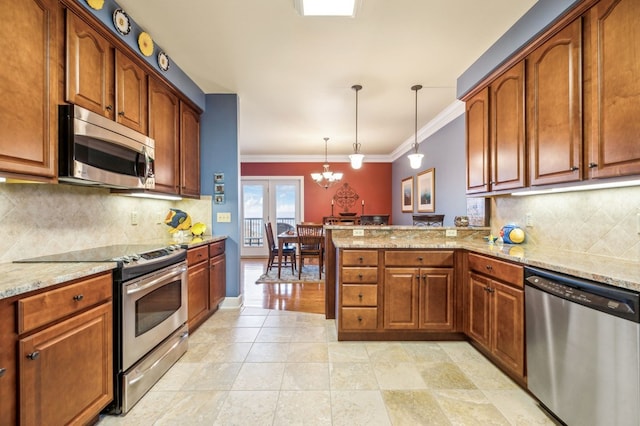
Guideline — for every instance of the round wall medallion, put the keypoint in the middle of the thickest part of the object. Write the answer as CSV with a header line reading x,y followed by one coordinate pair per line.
x,y
145,43
121,21
163,61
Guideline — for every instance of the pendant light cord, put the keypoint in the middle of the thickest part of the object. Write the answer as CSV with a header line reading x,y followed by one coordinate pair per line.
x,y
415,132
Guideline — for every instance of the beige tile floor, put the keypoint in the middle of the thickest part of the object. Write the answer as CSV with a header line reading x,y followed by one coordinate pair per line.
x,y
267,367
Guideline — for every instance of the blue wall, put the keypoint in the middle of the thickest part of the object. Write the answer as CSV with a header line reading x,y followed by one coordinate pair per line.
x,y
444,151
219,154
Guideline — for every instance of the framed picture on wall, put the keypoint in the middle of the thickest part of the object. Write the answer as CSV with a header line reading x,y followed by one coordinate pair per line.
x,y
427,191
218,178
407,194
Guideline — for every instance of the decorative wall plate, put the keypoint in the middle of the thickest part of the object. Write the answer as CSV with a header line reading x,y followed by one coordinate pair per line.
x,y
163,61
145,43
95,4
121,21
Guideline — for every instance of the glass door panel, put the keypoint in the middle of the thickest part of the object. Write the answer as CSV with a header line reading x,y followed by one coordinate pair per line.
x,y
254,212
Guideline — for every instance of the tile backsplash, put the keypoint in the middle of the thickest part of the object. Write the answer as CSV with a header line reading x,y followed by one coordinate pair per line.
x,y
42,219
603,222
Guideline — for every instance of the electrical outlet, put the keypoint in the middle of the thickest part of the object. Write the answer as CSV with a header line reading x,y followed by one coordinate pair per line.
x,y
134,217
451,232
223,217
528,220
358,232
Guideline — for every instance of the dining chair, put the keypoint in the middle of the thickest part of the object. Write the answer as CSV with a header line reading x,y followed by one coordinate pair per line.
x,y
310,245
287,251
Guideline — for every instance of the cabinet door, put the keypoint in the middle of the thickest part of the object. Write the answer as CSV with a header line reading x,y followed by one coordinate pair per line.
x,y
90,77
507,130
66,370
28,105
554,108
164,130
189,151
401,298
217,281
507,323
478,315
614,64
198,294
8,363
131,94
477,114
436,307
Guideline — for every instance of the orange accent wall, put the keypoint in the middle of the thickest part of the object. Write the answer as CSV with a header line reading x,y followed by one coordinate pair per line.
x,y
372,183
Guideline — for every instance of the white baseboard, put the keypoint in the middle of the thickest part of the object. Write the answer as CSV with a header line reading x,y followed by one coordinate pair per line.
x,y
231,303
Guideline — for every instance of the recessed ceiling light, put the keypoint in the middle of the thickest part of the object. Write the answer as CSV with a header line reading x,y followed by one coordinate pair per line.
x,y
326,7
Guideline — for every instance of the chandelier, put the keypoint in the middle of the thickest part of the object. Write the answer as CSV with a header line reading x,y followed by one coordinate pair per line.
x,y
326,178
356,158
415,159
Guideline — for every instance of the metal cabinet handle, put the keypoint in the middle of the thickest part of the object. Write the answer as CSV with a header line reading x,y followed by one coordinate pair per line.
x,y
360,296
109,107
78,297
361,259
593,165
420,259
121,113
2,371
359,318
360,276
489,267
573,169
33,355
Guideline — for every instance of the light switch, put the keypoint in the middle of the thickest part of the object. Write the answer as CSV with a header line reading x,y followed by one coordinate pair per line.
x,y
223,217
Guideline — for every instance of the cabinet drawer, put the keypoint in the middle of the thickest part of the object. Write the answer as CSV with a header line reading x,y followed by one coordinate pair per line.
x,y
359,295
418,258
36,311
494,268
216,248
359,318
360,275
359,257
198,254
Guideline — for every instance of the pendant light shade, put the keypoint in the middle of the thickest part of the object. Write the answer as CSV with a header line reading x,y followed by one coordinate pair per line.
x,y
326,178
356,158
415,158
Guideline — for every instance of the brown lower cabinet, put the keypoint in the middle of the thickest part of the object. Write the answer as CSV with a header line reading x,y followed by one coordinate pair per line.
x,y
496,312
57,354
206,281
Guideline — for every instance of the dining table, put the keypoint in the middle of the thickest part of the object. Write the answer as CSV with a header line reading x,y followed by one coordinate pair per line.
x,y
287,237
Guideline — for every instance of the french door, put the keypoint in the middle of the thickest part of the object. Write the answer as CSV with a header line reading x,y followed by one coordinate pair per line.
x,y
275,199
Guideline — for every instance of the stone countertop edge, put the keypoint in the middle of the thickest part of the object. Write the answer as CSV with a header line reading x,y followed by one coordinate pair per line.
x,y
608,270
21,278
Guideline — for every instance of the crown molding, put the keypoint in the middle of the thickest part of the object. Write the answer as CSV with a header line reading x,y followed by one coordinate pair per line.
x,y
337,159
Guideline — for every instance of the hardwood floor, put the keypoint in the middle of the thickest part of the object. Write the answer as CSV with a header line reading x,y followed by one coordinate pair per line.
x,y
299,297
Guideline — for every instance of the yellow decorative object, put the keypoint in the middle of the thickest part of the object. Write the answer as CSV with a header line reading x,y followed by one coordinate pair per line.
x,y
198,228
95,4
145,43
177,220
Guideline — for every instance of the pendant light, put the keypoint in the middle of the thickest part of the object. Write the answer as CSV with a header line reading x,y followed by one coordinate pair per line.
x,y
415,159
356,158
326,178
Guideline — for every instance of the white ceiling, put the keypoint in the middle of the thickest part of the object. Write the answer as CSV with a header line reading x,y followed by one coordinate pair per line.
x,y
293,74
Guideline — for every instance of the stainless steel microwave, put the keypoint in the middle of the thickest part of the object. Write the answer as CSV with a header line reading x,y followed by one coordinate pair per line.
x,y
94,150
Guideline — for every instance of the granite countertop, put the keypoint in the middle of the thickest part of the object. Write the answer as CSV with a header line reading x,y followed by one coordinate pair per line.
x,y
20,278
612,271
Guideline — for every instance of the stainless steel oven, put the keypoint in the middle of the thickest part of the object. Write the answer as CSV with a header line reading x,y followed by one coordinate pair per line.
x,y
150,313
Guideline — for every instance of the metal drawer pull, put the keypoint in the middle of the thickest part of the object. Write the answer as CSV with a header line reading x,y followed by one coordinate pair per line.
x,y
360,276
489,267
78,297
109,108
180,339
2,371
359,318
593,165
420,259
361,259
34,355
360,296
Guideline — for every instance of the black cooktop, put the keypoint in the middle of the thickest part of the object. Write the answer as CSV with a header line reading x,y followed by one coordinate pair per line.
x,y
107,253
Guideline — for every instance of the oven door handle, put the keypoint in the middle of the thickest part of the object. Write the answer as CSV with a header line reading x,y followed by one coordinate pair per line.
x,y
159,360
135,287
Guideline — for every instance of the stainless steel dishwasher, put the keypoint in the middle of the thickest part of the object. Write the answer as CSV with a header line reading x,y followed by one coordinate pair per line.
x,y
583,349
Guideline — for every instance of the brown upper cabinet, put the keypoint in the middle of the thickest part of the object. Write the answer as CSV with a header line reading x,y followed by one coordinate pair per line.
x,y
28,105
164,126
477,120
189,151
554,109
507,142
102,79
612,73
